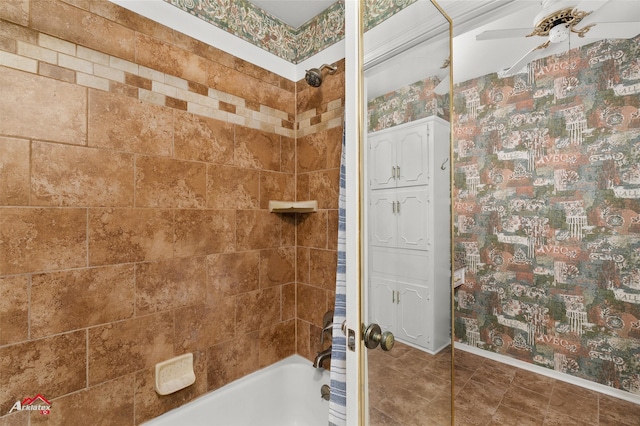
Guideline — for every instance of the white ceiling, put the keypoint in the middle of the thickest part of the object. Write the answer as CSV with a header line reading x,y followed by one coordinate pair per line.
x,y
293,12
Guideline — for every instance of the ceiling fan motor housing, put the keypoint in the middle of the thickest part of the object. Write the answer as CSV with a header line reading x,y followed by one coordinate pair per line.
x,y
564,19
559,33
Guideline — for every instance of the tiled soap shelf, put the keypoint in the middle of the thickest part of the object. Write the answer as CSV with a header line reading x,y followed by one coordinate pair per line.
x,y
310,206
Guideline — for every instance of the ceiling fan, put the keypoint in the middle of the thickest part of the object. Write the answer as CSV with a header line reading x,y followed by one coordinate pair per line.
x,y
556,21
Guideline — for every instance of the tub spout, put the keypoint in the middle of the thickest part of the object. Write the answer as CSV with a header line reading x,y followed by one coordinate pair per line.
x,y
321,357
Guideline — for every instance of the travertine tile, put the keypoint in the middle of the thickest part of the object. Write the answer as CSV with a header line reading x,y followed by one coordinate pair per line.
x,y
58,107
302,187
88,30
574,402
257,309
526,401
303,347
69,300
129,235
230,360
287,155
170,59
203,139
42,239
17,418
14,172
111,405
232,187
122,123
277,342
322,268
204,232
165,182
288,302
124,347
277,266
54,71
506,416
14,309
201,326
169,284
230,274
36,52
324,186
15,11
311,304
80,176
614,411
52,367
303,262
311,153
257,149
149,404
276,186
312,229
257,229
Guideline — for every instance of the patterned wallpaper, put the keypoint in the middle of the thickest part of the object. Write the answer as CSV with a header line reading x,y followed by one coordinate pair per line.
x,y
247,21
409,103
547,212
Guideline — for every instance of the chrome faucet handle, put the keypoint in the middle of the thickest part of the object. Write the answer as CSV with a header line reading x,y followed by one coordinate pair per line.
x,y
327,329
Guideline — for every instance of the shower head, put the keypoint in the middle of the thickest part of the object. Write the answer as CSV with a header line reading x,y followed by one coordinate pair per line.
x,y
314,75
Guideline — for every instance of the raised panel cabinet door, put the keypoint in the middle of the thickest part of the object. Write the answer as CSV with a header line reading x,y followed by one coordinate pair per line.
x,y
412,153
412,213
413,313
383,222
382,161
382,302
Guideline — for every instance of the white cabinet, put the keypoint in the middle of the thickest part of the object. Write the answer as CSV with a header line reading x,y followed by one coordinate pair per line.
x,y
399,218
408,226
399,158
401,307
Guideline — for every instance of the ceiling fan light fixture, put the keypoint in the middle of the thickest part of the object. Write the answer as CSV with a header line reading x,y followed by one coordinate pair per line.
x,y
559,33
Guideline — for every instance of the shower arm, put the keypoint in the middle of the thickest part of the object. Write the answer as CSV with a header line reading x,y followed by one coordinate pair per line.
x,y
332,68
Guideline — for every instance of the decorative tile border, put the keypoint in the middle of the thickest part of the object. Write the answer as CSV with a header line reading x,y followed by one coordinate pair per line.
x,y
62,60
247,21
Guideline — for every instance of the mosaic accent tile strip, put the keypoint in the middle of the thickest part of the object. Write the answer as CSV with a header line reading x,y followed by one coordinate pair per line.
x,y
258,27
547,212
87,67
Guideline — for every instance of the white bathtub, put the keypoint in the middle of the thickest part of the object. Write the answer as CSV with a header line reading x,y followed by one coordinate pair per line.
x,y
286,393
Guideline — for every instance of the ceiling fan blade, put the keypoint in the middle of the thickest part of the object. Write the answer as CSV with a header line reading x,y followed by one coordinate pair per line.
x,y
545,49
508,33
590,6
612,30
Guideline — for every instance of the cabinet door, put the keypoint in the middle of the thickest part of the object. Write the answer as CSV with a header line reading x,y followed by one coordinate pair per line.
x,y
382,161
413,307
413,218
382,216
412,155
382,307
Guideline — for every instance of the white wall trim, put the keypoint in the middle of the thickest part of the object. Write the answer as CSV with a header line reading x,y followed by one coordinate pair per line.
x,y
587,384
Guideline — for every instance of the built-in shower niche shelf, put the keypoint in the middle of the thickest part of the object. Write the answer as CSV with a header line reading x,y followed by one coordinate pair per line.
x,y
310,206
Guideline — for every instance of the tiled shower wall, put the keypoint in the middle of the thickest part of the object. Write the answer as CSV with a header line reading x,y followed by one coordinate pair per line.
x,y
136,165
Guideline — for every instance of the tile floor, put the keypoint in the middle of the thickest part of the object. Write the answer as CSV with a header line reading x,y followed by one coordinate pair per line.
x,y
410,387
